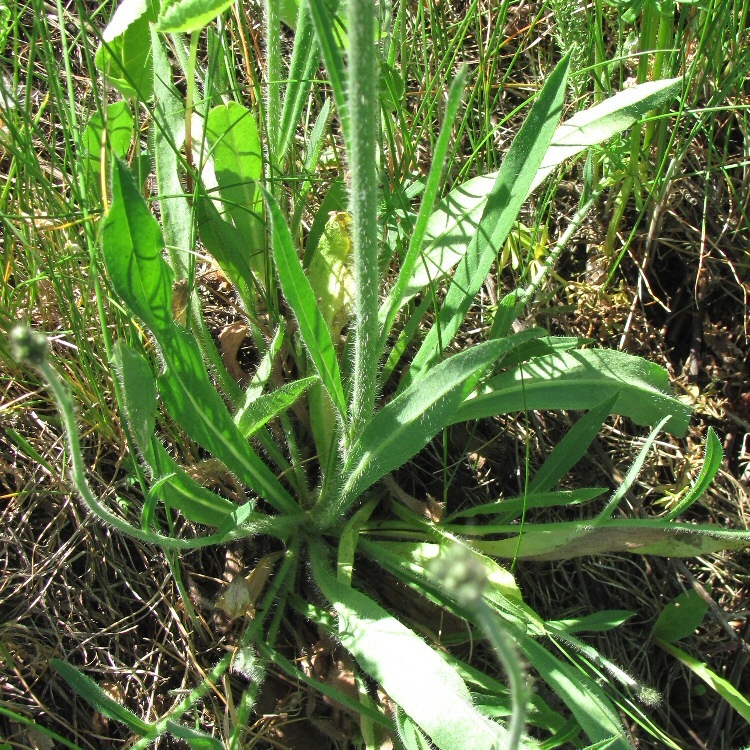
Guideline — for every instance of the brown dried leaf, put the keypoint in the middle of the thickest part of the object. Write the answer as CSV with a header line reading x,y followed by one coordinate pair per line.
x,y
231,339
236,600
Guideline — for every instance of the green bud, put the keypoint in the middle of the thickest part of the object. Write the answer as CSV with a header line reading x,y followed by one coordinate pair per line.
x,y
461,573
28,346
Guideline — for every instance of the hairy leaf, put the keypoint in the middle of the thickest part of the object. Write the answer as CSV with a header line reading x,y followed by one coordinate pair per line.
x,y
582,380
412,673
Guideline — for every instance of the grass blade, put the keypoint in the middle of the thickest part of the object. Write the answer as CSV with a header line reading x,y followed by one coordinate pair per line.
x,y
571,449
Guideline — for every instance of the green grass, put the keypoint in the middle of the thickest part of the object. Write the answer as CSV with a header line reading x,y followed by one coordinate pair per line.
x,y
59,233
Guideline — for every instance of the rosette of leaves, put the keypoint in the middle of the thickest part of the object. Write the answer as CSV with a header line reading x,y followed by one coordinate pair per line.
x,y
343,328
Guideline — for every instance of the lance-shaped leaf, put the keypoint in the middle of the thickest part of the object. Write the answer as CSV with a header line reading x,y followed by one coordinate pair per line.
x,y
301,298
452,226
405,425
563,541
711,463
252,416
508,194
168,131
98,699
426,687
582,380
132,247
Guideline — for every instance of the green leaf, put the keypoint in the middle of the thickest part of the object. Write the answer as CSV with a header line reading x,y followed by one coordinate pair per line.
x,y
711,463
132,245
132,248
563,541
631,476
304,62
512,507
170,482
413,675
589,704
124,56
409,733
582,380
189,15
252,416
228,246
138,392
323,15
126,13
406,424
331,274
392,305
508,194
301,298
168,132
98,699
418,556
452,226
118,124
569,451
336,200
5,29
723,687
180,491
600,122
195,739
539,347
597,622
238,164
680,617
193,401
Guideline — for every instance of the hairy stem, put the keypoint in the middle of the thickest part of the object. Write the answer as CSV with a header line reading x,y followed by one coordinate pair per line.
x,y
363,108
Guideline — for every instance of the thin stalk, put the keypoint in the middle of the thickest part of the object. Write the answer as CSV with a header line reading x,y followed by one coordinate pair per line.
x,y
189,107
30,347
363,113
214,675
275,598
507,653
